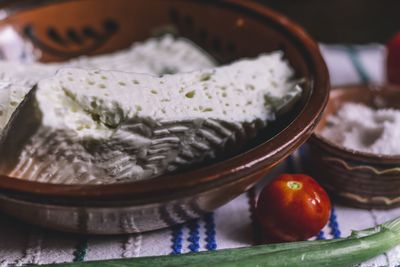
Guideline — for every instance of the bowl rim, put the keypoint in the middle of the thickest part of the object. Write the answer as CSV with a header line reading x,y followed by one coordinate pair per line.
x,y
356,154
218,173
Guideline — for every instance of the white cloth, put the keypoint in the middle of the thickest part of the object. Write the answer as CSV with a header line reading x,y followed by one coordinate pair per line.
x,y
23,244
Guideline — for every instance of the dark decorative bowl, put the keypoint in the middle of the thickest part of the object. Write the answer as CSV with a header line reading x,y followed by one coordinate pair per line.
x,y
358,179
58,30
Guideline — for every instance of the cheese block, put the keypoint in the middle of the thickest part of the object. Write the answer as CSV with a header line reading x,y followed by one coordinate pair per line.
x,y
10,97
155,56
165,55
92,126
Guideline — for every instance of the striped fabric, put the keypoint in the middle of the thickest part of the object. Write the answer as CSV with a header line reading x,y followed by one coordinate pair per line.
x,y
232,225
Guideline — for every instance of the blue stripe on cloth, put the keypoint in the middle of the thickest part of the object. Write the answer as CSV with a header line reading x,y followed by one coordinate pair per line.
x,y
80,250
321,236
357,64
333,224
211,242
177,238
177,230
82,245
194,236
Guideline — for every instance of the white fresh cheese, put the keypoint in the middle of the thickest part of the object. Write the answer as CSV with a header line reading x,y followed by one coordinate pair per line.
x,y
167,55
90,126
10,97
154,56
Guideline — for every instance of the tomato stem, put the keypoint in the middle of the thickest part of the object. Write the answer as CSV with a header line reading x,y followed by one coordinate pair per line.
x,y
294,185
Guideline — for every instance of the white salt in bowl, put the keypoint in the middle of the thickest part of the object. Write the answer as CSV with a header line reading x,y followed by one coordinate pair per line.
x,y
356,178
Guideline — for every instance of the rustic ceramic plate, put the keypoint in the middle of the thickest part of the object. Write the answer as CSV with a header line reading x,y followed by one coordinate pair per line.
x,y
228,30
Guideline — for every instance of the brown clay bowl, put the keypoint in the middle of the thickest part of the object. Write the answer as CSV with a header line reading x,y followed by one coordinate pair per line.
x,y
231,29
356,178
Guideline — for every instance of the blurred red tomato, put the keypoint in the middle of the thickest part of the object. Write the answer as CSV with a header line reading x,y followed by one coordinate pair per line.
x,y
393,60
291,208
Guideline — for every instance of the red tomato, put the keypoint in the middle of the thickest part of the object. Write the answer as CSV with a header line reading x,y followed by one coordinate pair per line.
x,y
293,207
393,59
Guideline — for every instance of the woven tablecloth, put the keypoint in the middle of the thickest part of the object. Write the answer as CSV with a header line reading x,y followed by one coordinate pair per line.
x,y
229,226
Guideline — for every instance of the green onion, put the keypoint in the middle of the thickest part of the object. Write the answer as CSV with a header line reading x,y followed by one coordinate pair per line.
x,y
359,247
192,258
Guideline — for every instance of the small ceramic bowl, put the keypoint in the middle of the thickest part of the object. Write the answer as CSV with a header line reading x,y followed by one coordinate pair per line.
x,y
228,30
358,179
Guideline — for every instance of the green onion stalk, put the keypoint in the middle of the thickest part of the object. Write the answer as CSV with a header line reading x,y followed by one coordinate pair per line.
x,y
358,247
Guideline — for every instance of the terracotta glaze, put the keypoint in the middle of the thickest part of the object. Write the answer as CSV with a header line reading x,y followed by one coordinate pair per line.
x,y
51,31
